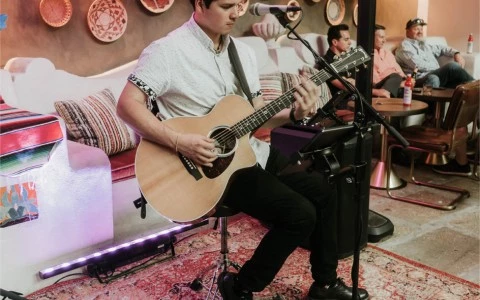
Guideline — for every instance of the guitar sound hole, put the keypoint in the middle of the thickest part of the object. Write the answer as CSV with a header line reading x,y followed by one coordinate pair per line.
x,y
225,145
225,141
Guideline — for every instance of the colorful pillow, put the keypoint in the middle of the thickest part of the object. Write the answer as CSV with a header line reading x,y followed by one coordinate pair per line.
x,y
271,86
93,121
290,80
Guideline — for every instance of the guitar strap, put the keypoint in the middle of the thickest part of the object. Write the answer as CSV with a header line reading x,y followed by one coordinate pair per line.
x,y
237,67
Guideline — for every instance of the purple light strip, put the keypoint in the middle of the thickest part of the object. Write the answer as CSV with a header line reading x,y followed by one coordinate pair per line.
x,y
84,260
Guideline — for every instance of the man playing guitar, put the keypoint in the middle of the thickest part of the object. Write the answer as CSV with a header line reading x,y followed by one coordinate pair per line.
x,y
184,75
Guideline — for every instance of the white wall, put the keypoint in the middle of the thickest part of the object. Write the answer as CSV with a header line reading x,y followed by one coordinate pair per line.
x,y
452,19
455,20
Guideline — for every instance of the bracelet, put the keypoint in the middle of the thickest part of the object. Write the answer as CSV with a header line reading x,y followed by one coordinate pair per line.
x,y
176,144
292,117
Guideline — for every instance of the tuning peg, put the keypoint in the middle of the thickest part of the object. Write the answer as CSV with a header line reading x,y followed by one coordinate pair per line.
x,y
348,74
356,69
364,65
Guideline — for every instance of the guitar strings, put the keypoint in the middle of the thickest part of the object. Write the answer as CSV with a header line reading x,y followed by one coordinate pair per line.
x,y
226,135
229,134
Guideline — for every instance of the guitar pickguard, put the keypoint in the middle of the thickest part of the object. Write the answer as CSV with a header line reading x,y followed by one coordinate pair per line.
x,y
219,166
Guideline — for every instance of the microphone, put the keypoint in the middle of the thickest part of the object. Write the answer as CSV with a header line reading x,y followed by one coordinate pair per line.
x,y
259,9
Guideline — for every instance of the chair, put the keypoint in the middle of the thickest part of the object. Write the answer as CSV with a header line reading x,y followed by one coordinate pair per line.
x,y
223,263
462,111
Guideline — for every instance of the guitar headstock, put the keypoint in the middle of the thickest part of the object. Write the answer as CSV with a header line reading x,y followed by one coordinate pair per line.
x,y
351,59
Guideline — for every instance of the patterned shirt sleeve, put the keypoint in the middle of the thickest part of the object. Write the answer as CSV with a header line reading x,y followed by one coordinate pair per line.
x,y
151,95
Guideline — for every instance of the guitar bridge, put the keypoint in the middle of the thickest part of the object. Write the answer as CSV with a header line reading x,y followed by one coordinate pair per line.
x,y
190,166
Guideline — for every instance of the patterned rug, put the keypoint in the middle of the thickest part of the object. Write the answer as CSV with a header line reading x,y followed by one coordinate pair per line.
x,y
384,274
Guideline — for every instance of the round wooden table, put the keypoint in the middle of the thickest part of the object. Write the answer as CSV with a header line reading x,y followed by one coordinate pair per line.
x,y
391,107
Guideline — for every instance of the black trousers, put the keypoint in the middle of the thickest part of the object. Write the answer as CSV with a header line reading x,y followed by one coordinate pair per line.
x,y
390,83
298,206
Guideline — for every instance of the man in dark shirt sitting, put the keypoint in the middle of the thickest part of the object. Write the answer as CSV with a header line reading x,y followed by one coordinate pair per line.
x,y
339,41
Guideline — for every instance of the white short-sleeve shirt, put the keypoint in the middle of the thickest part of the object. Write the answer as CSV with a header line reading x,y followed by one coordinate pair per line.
x,y
189,77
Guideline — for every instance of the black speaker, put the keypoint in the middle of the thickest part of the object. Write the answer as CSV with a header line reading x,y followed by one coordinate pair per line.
x,y
348,204
290,139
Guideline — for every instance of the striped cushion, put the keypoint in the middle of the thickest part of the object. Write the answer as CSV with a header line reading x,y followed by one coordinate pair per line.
x,y
291,80
271,86
93,121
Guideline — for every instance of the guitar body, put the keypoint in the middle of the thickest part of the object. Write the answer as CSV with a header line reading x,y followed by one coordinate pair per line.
x,y
165,180
185,193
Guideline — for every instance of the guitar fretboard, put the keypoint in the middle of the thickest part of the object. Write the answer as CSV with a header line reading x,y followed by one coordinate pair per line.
x,y
261,116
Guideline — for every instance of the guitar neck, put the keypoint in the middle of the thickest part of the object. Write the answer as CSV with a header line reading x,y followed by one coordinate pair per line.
x,y
261,116
346,61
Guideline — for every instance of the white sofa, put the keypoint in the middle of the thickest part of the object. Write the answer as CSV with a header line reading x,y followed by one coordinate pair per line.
x,y
319,43
82,211
472,60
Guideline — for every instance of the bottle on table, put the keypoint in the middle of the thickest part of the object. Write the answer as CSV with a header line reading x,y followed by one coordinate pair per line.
x,y
407,91
414,77
470,43
414,74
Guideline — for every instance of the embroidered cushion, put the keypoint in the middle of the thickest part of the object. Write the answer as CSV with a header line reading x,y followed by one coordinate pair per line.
x,y
93,121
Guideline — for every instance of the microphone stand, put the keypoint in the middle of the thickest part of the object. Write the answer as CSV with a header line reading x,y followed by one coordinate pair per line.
x,y
359,166
328,110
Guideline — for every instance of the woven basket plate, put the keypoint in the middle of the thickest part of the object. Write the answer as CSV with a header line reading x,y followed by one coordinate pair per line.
x,y
107,19
157,6
293,15
335,11
355,15
56,13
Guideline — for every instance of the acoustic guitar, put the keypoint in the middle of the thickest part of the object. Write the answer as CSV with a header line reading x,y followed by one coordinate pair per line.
x,y
183,192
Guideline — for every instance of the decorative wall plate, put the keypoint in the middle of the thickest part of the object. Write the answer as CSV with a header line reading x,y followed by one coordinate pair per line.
x,y
293,15
157,6
242,7
335,11
355,15
56,13
107,19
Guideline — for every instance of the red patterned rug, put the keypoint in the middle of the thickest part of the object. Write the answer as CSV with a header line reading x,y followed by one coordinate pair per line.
x,y
384,274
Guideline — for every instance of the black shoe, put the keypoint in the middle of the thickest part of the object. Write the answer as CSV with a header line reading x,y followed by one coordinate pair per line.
x,y
337,290
453,168
226,285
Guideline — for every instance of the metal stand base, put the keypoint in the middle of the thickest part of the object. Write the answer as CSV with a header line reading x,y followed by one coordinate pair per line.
x,y
378,179
436,159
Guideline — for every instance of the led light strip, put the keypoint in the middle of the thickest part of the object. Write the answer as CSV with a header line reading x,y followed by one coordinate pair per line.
x,y
85,260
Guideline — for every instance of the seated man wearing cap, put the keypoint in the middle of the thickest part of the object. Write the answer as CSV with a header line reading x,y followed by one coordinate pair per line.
x,y
414,52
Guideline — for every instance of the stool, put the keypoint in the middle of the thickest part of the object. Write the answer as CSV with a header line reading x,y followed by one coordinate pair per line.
x,y
223,263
